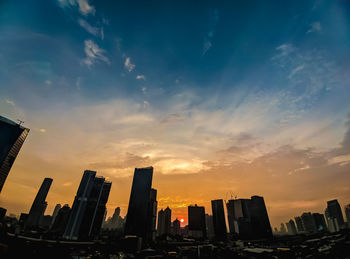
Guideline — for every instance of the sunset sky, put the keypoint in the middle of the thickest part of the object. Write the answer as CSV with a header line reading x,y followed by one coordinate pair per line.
x,y
220,97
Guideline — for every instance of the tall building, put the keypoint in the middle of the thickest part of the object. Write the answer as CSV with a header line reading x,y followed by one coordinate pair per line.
x,y
299,223
164,222
152,215
209,226
12,137
292,230
61,220
332,222
39,205
219,221
283,230
309,223
88,208
319,221
196,222
347,214
136,219
334,212
248,218
176,227
55,212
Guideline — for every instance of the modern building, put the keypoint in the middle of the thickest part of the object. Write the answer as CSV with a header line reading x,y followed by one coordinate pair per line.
x,y
176,227
39,205
152,215
319,221
136,219
219,219
283,229
334,212
61,220
309,223
209,226
164,222
291,228
299,223
12,137
248,218
196,222
55,212
347,214
88,208
2,213
332,222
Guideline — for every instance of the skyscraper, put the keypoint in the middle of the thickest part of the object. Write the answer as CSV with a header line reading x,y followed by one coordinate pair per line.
x,y
248,218
219,222
152,215
61,220
176,227
196,221
309,223
209,226
164,222
39,205
299,223
319,221
136,219
292,230
88,208
55,212
12,137
334,212
347,214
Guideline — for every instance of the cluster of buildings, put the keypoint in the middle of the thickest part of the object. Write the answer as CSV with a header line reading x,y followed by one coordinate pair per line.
x,y
332,221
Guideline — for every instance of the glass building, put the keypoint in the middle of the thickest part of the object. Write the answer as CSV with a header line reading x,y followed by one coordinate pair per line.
x,y
12,136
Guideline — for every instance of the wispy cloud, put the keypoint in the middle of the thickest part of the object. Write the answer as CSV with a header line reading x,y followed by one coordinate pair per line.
x,y
12,103
139,77
84,6
98,32
295,70
213,20
128,65
94,53
315,27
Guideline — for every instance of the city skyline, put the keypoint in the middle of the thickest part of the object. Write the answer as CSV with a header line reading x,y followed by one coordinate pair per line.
x,y
218,98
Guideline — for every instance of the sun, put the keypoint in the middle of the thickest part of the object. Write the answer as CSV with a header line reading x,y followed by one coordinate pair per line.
x,y
182,220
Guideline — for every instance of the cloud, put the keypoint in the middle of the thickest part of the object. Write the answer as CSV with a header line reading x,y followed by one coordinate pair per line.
x,y
128,65
144,90
94,53
67,184
12,103
42,130
295,70
213,20
84,7
139,77
315,27
98,32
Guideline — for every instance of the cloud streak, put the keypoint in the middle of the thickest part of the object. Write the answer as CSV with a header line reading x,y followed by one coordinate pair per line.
x,y
93,53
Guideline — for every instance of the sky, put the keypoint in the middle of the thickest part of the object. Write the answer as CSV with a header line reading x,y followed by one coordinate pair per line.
x,y
222,98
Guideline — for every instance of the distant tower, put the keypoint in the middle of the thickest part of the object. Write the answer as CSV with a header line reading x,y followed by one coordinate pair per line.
x,y
55,212
61,221
161,223
39,205
309,223
319,221
292,230
12,137
196,222
136,219
152,215
89,207
167,220
299,223
176,227
334,212
209,226
219,219
347,214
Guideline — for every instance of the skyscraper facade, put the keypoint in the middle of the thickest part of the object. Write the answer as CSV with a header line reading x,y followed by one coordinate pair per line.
x,y
12,137
319,221
39,205
299,223
347,214
88,208
196,222
176,227
309,223
136,219
334,212
152,215
164,222
60,222
248,218
219,219
55,212
292,230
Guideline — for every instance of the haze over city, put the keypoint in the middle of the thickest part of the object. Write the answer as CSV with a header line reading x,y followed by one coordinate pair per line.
x,y
222,98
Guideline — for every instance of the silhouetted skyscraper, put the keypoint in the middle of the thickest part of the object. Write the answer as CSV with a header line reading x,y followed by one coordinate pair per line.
x,y
55,212
248,218
136,219
196,222
12,137
209,226
164,222
334,211
61,220
292,230
176,227
89,207
219,219
152,215
319,221
299,223
347,214
309,223
39,205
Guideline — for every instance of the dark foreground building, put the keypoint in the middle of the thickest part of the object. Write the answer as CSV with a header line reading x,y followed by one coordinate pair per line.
x,y
196,222
39,205
89,207
12,136
334,212
248,218
136,219
219,222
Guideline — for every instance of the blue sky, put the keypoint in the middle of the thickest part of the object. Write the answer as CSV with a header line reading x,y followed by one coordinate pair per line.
x,y
183,85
